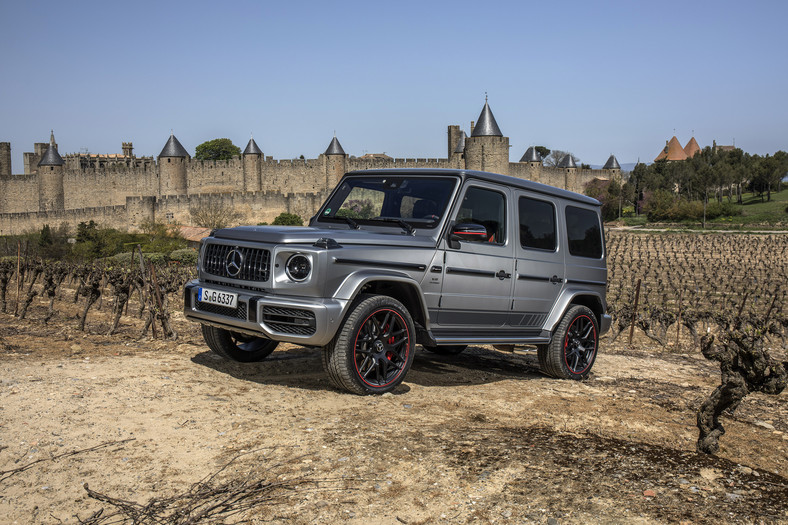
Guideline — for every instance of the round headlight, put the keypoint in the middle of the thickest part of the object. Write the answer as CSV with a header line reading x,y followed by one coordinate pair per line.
x,y
298,267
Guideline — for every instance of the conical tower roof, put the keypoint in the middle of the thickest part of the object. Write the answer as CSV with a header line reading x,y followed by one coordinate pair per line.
x,y
461,143
51,157
531,155
612,164
173,148
252,149
692,148
672,151
486,125
335,148
567,162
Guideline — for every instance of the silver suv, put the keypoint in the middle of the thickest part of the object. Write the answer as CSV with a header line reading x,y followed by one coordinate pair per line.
x,y
395,258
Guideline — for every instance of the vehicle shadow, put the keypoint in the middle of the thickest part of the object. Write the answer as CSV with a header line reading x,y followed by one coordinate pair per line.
x,y
301,367
476,365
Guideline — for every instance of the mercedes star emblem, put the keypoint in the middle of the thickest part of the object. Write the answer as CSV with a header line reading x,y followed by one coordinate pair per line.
x,y
233,262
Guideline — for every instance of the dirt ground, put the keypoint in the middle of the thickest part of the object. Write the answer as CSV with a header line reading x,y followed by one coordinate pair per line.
x,y
480,437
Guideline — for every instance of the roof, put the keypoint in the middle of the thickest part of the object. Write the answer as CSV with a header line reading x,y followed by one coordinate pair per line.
x,y
194,233
461,143
672,151
567,162
486,125
173,148
612,164
376,156
51,157
692,148
531,155
252,149
335,148
496,178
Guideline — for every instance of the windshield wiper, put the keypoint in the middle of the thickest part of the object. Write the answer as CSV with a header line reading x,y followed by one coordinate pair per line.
x,y
353,224
410,230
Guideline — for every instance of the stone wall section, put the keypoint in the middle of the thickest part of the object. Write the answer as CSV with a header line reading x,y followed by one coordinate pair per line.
x,y
260,188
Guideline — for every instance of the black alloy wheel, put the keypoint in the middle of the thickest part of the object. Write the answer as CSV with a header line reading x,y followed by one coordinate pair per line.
x,y
236,346
374,348
573,348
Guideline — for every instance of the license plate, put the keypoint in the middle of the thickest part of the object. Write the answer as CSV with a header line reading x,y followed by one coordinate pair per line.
x,y
206,295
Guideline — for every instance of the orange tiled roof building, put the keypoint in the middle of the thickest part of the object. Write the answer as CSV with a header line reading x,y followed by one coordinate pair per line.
x,y
673,151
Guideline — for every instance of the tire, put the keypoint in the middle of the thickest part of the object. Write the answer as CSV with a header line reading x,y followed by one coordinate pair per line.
x,y
237,347
573,348
373,350
445,349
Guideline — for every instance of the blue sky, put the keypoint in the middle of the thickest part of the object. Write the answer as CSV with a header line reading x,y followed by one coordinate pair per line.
x,y
590,78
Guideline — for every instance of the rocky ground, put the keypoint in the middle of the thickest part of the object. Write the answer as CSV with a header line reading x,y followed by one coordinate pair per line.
x,y
482,436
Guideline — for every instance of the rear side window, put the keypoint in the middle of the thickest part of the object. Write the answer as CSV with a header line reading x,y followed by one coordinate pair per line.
x,y
583,233
537,224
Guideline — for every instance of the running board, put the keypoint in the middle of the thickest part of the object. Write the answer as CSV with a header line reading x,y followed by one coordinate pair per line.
x,y
455,337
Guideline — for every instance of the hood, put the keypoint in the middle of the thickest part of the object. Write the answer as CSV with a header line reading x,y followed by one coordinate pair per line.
x,y
387,235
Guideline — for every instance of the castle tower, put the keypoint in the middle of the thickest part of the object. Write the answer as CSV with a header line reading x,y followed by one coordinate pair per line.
x,y
51,193
172,168
336,163
5,159
692,148
253,166
487,149
128,148
454,137
613,168
457,156
531,157
672,151
568,165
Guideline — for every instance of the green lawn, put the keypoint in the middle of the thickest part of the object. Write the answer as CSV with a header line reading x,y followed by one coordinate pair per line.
x,y
755,214
754,211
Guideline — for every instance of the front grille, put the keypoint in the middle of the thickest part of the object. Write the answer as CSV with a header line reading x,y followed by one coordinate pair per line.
x,y
238,313
289,320
255,263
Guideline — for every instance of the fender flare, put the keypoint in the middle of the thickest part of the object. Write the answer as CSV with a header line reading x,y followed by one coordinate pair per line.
x,y
565,301
354,282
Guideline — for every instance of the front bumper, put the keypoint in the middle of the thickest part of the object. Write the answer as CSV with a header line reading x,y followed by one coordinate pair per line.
x,y
306,321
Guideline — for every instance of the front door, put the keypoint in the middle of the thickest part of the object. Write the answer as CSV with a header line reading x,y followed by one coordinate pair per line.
x,y
477,274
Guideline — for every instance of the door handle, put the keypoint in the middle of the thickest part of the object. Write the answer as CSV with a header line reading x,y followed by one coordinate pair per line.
x,y
555,279
503,275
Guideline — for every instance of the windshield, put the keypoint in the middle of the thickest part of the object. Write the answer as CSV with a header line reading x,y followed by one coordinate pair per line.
x,y
417,201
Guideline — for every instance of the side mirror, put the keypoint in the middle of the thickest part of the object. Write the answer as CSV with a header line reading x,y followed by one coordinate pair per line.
x,y
467,232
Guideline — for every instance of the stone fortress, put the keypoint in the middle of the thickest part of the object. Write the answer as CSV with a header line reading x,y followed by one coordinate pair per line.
x,y
123,191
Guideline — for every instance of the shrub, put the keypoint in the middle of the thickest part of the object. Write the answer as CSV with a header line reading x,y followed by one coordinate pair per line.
x,y
186,257
288,219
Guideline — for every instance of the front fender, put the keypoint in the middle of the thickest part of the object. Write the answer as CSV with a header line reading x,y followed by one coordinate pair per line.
x,y
355,282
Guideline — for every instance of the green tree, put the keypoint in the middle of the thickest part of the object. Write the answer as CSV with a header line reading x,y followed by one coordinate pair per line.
x,y
217,149
542,151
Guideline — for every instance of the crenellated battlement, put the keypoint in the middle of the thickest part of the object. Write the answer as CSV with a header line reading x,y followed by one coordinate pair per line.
x,y
124,190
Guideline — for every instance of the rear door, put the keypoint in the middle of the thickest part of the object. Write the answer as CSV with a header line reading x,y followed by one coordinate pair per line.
x,y
540,270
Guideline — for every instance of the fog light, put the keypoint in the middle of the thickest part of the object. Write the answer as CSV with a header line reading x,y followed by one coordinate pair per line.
x,y
298,267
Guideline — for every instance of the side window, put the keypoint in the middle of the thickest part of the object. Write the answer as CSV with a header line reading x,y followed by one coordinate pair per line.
x,y
583,232
537,224
488,208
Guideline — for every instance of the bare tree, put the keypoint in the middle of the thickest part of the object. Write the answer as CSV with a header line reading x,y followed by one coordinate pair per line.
x,y
214,214
555,157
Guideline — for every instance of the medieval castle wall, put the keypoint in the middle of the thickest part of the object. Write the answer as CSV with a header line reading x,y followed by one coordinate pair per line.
x,y
124,192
